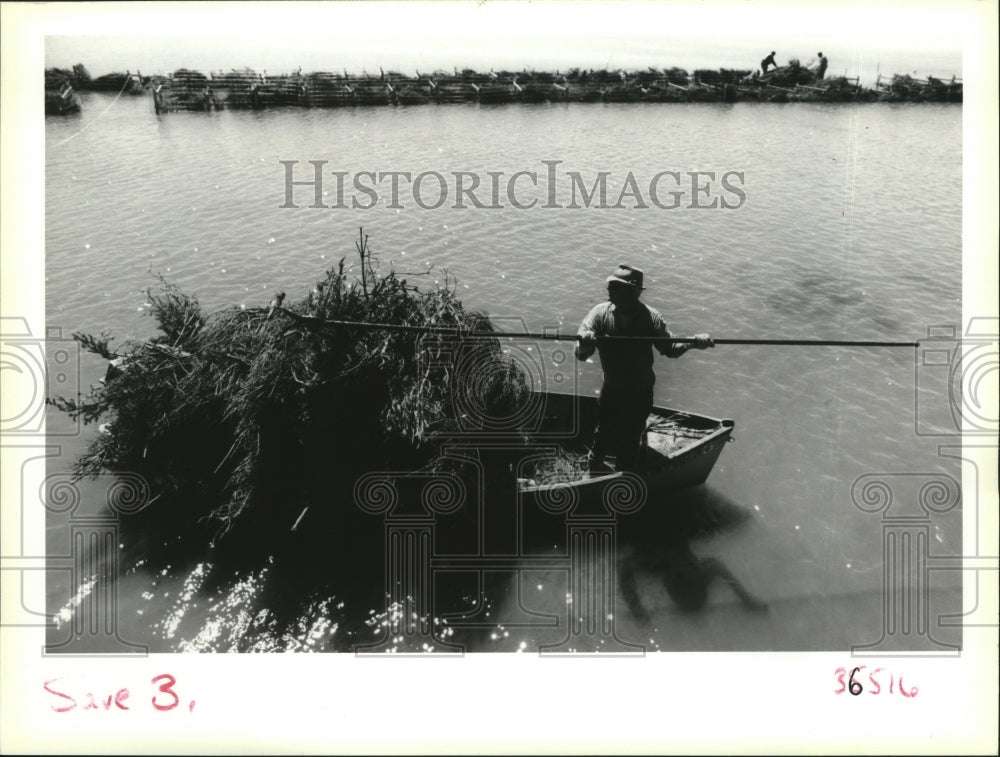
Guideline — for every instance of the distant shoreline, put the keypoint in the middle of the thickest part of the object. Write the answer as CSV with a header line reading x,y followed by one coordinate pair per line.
x,y
248,89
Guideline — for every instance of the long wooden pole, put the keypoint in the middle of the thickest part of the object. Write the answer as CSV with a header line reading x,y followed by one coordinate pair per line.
x,y
468,334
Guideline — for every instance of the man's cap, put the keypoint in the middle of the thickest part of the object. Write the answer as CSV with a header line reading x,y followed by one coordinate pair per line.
x,y
626,274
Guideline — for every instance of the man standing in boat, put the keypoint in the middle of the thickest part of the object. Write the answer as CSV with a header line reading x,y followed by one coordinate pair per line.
x,y
627,393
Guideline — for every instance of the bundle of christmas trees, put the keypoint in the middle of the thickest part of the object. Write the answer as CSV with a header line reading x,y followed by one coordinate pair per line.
x,y
260,411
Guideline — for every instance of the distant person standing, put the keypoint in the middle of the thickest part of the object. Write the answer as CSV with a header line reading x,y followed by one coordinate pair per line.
x,y
768,61
821,68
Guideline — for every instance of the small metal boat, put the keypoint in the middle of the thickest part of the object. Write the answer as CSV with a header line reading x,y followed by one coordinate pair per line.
x,y
680,449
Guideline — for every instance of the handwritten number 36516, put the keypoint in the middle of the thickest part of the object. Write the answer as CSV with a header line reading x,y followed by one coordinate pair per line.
x,y
854,687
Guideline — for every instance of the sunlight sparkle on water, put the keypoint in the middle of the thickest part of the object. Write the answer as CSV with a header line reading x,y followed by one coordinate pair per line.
x,y
66,613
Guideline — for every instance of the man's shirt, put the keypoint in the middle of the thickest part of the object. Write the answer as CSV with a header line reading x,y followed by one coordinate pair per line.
x,y
628,365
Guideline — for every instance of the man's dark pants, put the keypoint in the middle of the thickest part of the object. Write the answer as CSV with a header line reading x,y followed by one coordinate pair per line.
x,y
620,426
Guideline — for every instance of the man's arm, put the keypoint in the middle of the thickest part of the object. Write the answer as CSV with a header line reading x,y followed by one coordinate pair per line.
x,y
586,335
676,349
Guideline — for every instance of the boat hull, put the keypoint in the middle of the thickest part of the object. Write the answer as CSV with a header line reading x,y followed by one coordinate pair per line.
x,y
681,451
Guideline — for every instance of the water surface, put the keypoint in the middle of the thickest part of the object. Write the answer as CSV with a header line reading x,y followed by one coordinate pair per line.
x,y
850,229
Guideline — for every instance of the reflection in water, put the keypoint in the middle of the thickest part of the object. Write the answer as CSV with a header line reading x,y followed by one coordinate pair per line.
x,y
660,546
524,607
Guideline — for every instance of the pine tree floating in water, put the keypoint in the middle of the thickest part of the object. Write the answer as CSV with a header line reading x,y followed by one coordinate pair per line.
x,y
236,412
